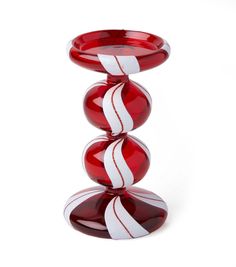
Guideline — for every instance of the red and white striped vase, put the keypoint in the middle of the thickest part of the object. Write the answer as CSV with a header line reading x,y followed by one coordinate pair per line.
x,y
116,160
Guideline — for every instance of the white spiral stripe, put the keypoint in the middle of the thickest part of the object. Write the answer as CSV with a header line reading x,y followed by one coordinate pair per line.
x,y
110,64
109,111
124,115
146,194
119,65
144,91
129,64
115,111
116,166
82,192
166,47
122,165
101,138
76,200
68,48
120,224
100,83
115,229
150,199
142,145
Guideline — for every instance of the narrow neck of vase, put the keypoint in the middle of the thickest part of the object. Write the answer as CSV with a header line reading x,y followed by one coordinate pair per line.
x,y
117,79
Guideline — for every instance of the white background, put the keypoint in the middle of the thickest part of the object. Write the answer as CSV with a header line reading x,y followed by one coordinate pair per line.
x,y
191,132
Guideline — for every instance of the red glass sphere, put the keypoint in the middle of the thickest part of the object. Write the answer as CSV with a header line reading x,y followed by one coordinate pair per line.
x,y
116,163
117,108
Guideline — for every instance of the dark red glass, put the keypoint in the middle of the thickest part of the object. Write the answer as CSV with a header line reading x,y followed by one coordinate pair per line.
x,y
120,214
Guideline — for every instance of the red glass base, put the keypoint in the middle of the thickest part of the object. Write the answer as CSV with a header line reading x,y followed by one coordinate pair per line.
x,y
117,214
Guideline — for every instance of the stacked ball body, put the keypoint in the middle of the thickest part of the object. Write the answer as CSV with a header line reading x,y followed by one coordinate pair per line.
x,y
117,108
116,163
116,160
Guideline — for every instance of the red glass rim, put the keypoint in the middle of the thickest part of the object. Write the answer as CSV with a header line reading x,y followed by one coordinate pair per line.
x,y
118,52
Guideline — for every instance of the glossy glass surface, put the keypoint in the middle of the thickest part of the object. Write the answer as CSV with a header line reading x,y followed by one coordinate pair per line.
x,y
117,160
134,98
120,50
149,50
95,217
132,153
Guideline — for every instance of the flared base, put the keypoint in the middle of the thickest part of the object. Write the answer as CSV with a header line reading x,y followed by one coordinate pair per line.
x,y
118,214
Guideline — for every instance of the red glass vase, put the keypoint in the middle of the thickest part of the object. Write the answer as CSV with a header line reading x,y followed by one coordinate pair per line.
x,y
117,160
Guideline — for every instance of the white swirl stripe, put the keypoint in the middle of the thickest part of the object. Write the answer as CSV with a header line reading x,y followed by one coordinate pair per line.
x,y
85,191
149,198
129,64
110,64
116,166
68,48
166,47
124,115
120,224
142,145
115,111
100,83
77,199
119,65
144,91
